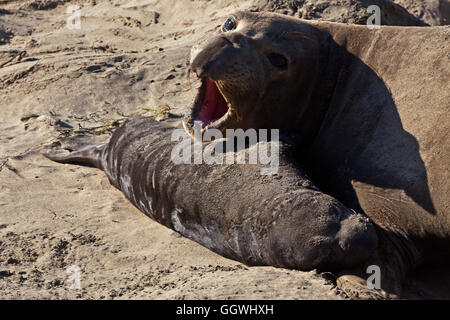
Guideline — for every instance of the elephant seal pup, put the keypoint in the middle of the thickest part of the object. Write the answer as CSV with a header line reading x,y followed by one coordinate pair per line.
x,y
280,220
370,108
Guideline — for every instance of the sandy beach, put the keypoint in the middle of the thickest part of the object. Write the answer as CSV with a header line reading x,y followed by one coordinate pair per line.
x,y
60,80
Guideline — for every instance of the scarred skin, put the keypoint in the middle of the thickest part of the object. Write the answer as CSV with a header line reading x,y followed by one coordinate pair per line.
x,y
369,109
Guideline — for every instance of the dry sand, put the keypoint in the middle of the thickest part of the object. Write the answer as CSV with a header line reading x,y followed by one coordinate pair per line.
x,y
56,82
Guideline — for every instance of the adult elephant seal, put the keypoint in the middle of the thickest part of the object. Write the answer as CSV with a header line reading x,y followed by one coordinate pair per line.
x,y
368,109
371,111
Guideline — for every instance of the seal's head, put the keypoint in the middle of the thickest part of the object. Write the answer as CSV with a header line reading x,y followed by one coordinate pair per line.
x,y
259,70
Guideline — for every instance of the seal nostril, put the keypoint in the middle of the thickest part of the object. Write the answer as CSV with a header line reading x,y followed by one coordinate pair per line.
x,y
278,60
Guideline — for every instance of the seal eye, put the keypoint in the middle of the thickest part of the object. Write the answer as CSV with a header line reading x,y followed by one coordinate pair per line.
x,y
278,60
229,25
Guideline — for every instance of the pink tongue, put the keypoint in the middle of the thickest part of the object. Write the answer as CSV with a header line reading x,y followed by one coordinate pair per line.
x,y
214,105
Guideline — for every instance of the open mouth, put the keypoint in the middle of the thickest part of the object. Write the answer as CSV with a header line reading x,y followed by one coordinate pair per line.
x,y
210,109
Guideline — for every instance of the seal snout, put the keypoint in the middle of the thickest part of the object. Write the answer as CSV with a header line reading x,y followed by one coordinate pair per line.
x,y
204,57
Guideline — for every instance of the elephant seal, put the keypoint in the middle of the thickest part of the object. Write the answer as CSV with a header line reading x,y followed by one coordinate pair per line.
x,y
281,220
370,108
